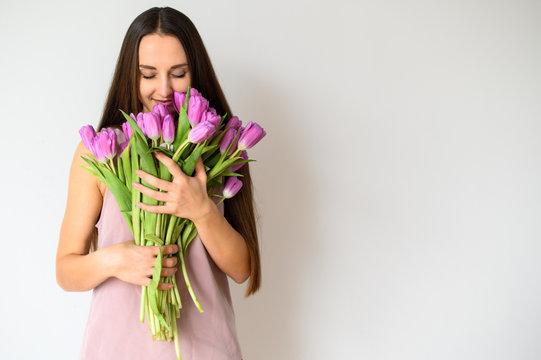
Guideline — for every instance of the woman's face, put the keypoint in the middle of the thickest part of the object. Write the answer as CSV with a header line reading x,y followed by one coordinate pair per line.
x,y
163,69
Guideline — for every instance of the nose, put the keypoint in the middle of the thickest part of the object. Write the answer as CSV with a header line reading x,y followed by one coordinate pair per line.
x,y
165,91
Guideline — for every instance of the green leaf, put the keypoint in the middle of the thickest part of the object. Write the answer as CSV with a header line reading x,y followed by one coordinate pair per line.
x,y
153,289
94,169
188,236
223,166
156,240
120,169
227,173
209,148
214,183
162,150
191,161
213,160
133,124
136,197
183,126
126,161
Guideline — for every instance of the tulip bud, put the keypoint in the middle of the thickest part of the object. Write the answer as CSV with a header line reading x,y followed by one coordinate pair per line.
x,y
178,100
243,155
250,136
234,123
104,145
168,129
141,122
121,139
87,133
197,106
211,117
153,125
201,132
161,109
231,187
227,139
128,131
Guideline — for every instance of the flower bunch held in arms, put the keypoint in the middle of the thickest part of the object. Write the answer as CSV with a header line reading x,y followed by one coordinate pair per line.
x,y
199,132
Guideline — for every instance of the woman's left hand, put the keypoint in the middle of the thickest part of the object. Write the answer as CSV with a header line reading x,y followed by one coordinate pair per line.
x,y
184,197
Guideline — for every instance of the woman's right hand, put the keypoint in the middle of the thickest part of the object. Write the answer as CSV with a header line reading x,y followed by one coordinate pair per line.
x,y
135,264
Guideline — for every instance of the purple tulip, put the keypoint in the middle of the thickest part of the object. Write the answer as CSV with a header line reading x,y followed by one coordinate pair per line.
x,y
234,123
201,132
197,106
87,133
231,187
227,139
104,145
168,129
211,117
178,100
128,131
141,122
251,135
153,125
121,139
243,155
235,144
161,109
133,116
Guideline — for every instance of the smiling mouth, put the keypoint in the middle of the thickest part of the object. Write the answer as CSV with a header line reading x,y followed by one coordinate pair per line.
x,y
165,102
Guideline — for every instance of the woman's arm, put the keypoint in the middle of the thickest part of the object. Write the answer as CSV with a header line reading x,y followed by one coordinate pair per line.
x,y
76,269
187,197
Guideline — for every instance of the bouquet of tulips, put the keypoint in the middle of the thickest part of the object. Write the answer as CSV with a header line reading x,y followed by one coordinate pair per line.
x,y
116,155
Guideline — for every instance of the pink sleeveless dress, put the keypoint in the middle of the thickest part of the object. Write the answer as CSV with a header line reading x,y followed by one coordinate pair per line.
x,y
113,329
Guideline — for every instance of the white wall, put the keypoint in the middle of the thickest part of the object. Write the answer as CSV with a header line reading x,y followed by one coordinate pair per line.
x,y
399,186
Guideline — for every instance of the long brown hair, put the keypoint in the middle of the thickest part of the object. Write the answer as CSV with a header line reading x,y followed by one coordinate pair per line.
x,y
239,210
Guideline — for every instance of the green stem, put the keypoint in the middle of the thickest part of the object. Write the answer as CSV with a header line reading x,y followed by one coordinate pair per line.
x,y
143,303
179,151
175,335
188,285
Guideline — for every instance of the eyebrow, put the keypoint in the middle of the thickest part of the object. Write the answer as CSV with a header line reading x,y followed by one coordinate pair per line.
x,y
172,67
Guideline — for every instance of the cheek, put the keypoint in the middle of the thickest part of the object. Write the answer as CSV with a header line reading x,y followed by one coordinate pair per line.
x,y
143,91
181,85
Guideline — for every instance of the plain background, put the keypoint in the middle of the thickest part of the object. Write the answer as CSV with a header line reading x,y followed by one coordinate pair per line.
x,y
399,186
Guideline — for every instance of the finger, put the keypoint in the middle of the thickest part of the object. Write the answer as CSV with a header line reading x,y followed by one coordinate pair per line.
x,y
168,272
156,209
170,262
157,195
170,249
152,180
200,171
166,249
165,286
172,166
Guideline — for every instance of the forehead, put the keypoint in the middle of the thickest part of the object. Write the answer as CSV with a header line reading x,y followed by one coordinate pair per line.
x,y
161,51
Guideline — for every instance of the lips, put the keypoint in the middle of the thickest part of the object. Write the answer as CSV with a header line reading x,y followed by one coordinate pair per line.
x,y
165,102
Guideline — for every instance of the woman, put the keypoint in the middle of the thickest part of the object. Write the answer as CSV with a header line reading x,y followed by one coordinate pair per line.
x,y
162,53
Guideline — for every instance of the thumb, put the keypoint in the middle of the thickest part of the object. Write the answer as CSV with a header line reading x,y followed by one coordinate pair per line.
x,y
200,171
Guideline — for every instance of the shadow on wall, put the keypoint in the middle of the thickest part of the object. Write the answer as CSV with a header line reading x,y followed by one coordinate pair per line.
x,y
269,323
